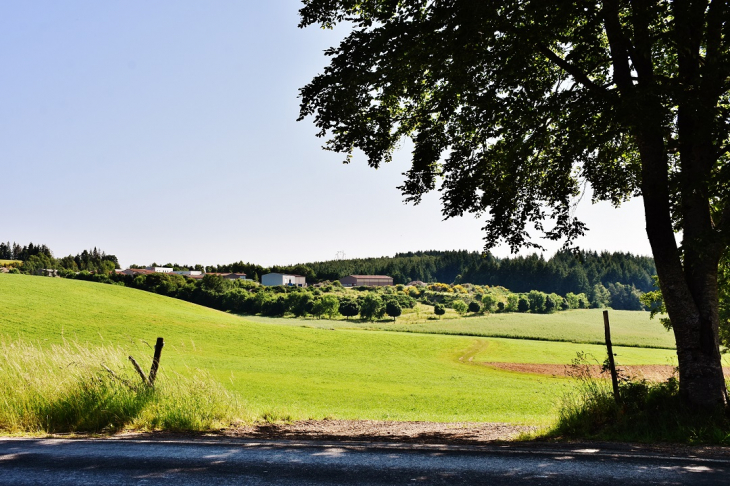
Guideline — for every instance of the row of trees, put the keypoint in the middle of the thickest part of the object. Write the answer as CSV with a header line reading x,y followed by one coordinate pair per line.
x,y
562,273
247,297
17,252
37,257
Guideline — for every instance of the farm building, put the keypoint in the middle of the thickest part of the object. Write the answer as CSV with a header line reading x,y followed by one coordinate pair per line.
x,y
160,269
271,279
368,280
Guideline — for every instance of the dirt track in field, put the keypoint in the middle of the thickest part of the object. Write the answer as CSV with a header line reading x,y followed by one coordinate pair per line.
x,y
647,372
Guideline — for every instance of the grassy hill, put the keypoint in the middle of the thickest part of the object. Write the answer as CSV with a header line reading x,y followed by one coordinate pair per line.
x,y
628,328
295,371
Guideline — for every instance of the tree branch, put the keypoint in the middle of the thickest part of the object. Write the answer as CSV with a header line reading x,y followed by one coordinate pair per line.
x,y
576,73
619,46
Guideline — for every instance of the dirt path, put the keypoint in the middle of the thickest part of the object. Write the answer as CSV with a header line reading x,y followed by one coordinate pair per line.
x,y
648,372
366,430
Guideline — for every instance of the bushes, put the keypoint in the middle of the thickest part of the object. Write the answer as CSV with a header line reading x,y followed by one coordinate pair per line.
x,y
371,307
459,306
393,309
349,308
647,412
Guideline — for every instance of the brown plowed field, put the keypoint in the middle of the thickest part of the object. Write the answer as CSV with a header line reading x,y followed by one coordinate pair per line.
x,y
648,372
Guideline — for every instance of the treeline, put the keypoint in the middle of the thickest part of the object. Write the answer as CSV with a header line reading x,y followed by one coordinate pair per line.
x,y
248,297
17,252
332,300
38,257
562,273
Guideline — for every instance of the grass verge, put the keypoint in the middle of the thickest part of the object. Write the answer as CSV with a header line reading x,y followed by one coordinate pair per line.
x,y
65,388
647,412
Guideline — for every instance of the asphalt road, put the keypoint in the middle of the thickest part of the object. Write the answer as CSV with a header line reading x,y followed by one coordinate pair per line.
x,y
198,461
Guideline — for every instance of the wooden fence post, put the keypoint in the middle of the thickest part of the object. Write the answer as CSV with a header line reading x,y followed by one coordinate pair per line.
x,y
139,370
156,360
611,363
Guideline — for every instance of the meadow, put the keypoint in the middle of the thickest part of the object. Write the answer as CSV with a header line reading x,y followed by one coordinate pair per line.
x,y
582,326
293,372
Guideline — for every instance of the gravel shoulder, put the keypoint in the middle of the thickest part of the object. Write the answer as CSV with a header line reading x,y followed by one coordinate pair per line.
x,y
365,431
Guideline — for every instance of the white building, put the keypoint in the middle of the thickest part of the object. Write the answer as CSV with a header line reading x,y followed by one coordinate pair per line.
x,y
189,273
160,269
272,279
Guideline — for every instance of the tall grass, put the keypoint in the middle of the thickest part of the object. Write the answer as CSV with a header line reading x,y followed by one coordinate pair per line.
x,y
72,388
646,412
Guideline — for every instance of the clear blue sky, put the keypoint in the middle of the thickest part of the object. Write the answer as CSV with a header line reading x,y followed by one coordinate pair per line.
x,y
165,131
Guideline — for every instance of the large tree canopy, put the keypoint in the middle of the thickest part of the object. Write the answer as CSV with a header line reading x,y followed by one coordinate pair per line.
x,y
515,106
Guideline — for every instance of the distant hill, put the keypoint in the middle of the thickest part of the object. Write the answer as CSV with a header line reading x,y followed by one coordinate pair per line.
x,y
564,272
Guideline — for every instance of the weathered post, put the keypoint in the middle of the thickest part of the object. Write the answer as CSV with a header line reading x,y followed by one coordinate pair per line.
x,y
139,370
156,360
611,363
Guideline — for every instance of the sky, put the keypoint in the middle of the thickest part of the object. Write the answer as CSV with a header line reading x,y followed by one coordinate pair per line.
x,y
166,132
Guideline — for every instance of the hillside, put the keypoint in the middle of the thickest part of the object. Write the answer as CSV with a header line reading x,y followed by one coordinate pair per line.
x,y
285,371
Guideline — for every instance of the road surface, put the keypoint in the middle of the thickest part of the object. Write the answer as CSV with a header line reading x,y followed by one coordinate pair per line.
x,y
216,461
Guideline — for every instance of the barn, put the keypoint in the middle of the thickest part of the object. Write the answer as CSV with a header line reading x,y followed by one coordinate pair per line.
x,y
272,279
367,280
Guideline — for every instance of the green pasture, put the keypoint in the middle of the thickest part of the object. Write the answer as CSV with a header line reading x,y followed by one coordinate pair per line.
x,y
299,372
628,328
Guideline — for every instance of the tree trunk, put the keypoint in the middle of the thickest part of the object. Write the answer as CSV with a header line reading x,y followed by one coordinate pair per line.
x,y
689,287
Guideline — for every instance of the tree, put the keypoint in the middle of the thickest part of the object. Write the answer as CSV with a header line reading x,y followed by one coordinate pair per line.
x,y
459,306
329,306
537,301
514,105
489,302
474,307
299,303
439,310
600,297
371,306
349,308
393,309
572,300
523,305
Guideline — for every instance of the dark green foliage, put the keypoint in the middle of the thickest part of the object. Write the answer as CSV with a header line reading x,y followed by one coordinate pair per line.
x,y
523,305
275,305
474,307
371,307
393,309
626,297
647,412
500,306
300,303
549,304
600,296
537,301
439,310
349,308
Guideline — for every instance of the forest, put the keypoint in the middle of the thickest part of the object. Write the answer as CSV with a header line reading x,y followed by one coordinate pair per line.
x,y
564,272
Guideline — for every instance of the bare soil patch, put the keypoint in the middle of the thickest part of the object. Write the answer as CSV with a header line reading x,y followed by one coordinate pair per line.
x,y
647,372
373,430
359,430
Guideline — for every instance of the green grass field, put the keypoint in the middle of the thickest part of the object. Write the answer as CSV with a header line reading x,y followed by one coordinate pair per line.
x,y
299,372
628,328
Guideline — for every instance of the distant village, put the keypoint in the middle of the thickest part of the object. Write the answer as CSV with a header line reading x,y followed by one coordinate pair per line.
x,y
269,279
